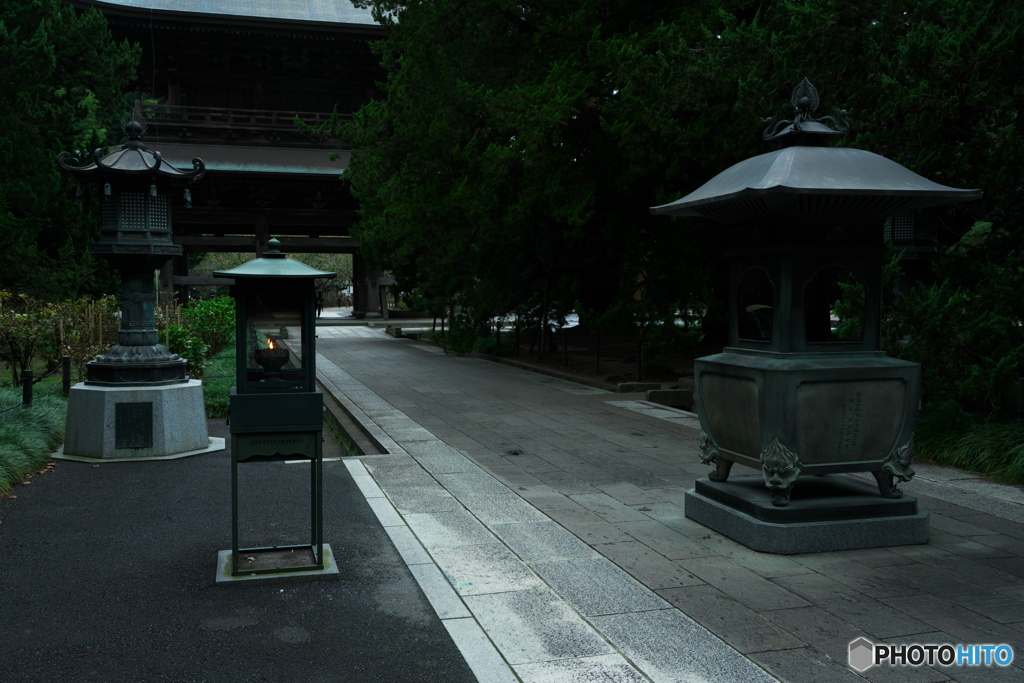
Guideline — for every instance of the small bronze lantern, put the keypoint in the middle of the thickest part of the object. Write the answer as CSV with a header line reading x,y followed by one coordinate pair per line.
x,y
789,396
276,407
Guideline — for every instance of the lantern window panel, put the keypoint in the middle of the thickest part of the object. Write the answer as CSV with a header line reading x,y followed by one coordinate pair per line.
x,y
755,304
274,341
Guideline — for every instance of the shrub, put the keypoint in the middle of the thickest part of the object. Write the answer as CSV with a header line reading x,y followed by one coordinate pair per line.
x,y
190,347
213,321
26,327
85,328
968,339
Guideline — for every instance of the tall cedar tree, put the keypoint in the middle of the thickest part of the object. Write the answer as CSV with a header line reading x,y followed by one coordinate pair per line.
x,y
61,81
503,165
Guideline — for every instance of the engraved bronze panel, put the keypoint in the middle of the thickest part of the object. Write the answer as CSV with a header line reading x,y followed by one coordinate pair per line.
x,y
133,425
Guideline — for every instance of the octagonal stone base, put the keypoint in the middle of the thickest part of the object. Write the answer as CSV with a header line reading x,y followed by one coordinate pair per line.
x,y
119,423
830,512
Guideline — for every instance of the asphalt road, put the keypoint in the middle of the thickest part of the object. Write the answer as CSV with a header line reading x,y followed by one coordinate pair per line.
x,y
107,573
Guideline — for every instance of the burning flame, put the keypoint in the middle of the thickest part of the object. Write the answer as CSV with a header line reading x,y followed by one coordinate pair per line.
x,y
270,343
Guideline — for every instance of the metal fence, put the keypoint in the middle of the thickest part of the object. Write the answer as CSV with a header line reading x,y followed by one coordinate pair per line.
x,y
29,380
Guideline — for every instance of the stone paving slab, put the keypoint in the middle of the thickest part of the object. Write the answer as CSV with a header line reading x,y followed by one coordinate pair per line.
x,y
485,568
730,620
611,473
611,668
536,626
595,587
665,642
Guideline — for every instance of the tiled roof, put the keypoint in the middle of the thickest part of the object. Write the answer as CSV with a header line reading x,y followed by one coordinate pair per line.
x,y
320,11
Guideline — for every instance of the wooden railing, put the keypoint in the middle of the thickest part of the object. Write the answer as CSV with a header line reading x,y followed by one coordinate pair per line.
x,y
240,119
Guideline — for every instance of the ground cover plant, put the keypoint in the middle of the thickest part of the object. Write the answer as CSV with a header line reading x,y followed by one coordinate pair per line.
x,y
217,383
28,434
992,446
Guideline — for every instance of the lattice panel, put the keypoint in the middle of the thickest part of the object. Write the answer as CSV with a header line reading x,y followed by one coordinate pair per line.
x,y
159,214
133,211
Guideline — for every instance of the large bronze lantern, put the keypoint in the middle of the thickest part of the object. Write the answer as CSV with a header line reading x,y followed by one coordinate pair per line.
x,y
137,387
276,407
791,396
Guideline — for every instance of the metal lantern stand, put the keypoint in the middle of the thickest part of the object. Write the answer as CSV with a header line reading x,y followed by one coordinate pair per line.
x,y
276,408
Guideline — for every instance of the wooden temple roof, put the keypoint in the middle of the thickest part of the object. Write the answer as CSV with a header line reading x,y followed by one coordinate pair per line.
x,y
324,12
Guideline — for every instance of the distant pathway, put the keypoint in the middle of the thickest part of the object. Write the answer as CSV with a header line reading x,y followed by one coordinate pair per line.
x,y
544,520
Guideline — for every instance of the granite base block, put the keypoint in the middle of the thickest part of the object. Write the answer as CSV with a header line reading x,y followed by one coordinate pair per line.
x,y
856,522
177,413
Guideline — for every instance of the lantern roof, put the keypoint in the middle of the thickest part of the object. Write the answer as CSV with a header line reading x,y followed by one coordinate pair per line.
x,y
274,264
808,180
133,160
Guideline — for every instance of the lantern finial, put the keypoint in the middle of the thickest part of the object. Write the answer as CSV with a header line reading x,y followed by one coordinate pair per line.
x,y
134,125
803,129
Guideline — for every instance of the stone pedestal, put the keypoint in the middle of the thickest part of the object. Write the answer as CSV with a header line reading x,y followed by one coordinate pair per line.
x,y
135,423
829,512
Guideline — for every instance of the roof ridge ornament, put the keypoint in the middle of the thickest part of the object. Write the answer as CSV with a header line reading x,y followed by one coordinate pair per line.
x,y
134,124
803,128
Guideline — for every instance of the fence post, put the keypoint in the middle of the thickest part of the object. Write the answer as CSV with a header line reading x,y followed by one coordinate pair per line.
x,y
65,369
26,387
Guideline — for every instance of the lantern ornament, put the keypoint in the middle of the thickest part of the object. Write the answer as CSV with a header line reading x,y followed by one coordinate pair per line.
x,y
135,237
276,406
803,387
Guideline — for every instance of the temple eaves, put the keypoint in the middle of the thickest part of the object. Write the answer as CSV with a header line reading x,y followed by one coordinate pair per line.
x,y
323,12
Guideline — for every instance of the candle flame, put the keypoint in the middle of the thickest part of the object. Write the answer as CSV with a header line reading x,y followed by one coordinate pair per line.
x,y
270,343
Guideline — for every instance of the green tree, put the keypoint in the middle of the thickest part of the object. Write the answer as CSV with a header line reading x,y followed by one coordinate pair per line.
x,y
516,146
62,77
502,168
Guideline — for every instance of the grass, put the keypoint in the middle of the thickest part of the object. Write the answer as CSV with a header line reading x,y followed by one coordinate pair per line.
x,y
993,448
28,435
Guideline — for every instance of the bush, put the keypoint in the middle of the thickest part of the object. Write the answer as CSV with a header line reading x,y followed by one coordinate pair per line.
x,y
966,329
26,327
213,321
190,347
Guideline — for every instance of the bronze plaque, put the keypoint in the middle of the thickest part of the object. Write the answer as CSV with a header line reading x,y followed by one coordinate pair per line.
x,y
279,445
133,425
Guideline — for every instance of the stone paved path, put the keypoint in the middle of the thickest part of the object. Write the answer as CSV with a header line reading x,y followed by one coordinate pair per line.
x,y
544,520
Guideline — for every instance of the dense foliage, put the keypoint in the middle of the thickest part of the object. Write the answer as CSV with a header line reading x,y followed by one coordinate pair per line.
x,y
508,167
510,160
62,78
